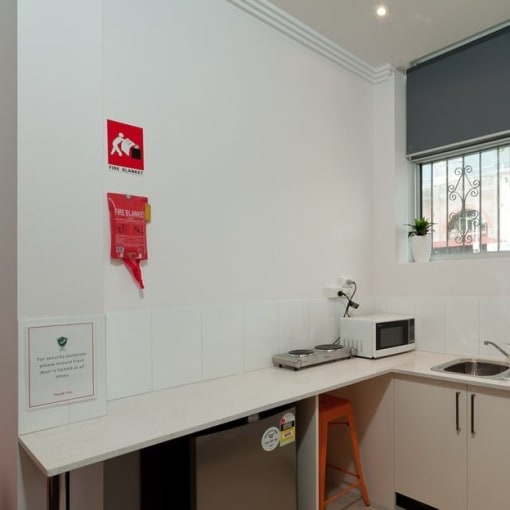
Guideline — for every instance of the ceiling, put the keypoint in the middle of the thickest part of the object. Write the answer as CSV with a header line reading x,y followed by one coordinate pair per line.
x,y
412,30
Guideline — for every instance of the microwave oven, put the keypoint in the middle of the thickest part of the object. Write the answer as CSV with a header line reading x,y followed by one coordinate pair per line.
x,y
377,335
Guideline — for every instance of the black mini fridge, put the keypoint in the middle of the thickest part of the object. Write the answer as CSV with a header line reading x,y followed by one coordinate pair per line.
x,y
248,463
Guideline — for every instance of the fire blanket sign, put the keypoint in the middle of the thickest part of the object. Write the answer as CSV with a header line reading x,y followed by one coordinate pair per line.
x,y
125,147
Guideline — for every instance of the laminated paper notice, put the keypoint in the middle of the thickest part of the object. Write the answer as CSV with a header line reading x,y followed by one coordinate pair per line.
x,y
60,364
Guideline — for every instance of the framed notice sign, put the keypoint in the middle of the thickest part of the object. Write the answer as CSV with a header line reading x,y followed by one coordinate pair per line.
x,y
60,363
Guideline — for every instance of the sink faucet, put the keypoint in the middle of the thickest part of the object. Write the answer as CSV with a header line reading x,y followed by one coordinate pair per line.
x,y
500,349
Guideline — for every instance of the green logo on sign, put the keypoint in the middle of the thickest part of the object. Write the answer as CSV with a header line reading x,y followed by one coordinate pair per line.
x,y
62,342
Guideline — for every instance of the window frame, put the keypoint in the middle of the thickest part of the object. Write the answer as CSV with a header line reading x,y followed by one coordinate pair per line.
x,y
417,191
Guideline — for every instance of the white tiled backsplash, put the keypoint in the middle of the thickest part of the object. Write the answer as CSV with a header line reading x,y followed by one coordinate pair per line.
x,y
455,325
149,350
153,349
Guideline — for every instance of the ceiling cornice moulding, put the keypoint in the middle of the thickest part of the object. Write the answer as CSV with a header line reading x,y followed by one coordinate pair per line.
x,y
286,24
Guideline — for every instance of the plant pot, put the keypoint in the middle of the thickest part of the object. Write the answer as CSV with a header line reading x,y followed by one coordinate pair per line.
x,y
421,247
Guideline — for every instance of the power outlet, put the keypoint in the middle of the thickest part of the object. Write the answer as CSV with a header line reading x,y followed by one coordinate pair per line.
x,y
345,282
331,292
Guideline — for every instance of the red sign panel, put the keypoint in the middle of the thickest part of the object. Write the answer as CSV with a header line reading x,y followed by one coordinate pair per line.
x,y
125,147
128,218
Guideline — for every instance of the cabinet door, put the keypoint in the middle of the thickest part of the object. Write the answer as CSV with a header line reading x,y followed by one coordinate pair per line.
x,y
430,442
488,449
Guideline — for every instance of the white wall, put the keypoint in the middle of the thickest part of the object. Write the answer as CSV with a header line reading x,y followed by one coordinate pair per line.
x,y
457,303
258,161
256,155
395,275
267,167
60,194
257,170
8,291
60,181
60,172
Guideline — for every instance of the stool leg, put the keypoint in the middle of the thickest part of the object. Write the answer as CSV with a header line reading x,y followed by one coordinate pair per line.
x,y
357,457
323,451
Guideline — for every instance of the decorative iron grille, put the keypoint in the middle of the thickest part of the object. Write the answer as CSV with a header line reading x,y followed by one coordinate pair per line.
x,y
467,197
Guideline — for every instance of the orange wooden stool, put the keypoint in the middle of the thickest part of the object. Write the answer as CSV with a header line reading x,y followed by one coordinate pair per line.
x,y
337,411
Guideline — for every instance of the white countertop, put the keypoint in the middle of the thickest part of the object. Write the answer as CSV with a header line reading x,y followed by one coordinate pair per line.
x,y
144,420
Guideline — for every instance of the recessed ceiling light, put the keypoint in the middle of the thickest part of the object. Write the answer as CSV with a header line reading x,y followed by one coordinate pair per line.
x,y
382,10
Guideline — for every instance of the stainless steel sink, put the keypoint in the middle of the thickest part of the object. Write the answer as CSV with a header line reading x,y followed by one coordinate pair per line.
x,y
476,368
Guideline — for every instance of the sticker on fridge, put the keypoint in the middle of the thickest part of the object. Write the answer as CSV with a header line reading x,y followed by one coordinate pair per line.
x,y
287,429
270,439
125,147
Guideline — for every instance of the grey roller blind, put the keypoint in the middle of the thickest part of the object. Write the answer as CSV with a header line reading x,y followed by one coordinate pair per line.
x,y
460,96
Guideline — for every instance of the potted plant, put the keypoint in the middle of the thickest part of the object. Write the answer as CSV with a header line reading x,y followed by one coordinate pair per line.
x,y
421,240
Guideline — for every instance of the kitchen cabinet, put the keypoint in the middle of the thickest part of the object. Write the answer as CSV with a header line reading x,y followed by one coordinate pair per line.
x,y
489,449
430,451
451,447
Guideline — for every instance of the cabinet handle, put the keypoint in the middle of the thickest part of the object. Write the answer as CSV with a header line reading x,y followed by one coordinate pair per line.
x,y
457,397
473,414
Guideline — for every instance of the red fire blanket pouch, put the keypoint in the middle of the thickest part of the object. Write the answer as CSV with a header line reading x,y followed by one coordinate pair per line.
x,y
129,215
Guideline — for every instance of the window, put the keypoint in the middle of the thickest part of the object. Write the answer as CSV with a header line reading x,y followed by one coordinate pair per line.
x,y
467,197
459,96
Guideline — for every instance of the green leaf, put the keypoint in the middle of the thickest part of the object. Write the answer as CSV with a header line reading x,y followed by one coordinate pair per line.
x,y
420,227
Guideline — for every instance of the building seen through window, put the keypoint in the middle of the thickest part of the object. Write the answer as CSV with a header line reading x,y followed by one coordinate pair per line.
x,y
467,197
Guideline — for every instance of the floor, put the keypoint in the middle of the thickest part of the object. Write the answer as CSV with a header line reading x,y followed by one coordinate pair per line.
x,y
355,504
353,501
350,503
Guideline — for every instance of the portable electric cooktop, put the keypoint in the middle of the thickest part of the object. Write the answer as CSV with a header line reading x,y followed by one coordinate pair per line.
x,y
301,358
